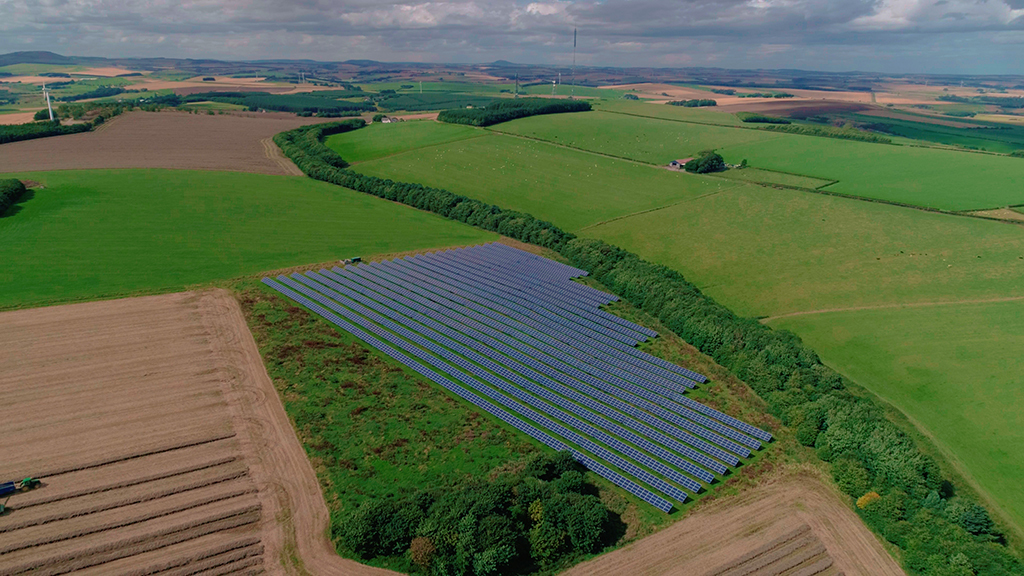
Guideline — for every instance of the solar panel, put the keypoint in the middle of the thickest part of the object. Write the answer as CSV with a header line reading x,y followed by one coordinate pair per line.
x,y
512,333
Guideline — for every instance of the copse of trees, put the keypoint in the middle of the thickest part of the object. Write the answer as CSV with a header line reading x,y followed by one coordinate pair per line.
x,y
11,190
506,109
755,118
16,132
911,505
726,91
705,162
766,95
700,103
513,524
1017,153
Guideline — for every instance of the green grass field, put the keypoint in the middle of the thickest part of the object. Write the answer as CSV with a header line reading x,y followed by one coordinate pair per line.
x,y
983,135
927,177
764,251
214,106
957,370
665,112
645,139
378,140
773,178
101,233
571,188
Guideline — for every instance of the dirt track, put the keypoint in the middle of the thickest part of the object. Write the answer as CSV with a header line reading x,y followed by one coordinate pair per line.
x,y
724,531
160,442
232,142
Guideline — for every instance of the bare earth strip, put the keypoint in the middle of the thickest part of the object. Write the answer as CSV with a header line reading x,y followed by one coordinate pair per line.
x,y
231,142
160,441
726,530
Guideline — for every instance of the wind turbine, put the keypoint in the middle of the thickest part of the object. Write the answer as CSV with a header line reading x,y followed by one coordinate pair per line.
x,y
572,89
46,94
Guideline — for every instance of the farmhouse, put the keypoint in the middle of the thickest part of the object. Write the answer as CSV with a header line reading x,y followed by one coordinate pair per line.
x,y
678,164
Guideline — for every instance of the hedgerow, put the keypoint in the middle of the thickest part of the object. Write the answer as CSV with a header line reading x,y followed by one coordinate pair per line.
x,y
285,102
16,132
760,118
829,132
11,190
698,103
505,110
938,531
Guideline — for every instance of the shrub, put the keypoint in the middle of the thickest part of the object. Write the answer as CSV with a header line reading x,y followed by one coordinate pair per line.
x,y
866,500
630,97
760,118
505,110
43,114
1017,153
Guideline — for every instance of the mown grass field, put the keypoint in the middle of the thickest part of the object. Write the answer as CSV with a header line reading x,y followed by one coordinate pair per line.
x,y
102,233
765,252
943,179
571,188
957,370
662,111
648,140
378,140
770,178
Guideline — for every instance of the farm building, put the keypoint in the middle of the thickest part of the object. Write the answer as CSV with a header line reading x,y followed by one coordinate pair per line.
x,y
678,164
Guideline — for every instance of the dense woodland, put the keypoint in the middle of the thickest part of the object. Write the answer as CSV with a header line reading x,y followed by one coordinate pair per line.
x,y
899,490
505,110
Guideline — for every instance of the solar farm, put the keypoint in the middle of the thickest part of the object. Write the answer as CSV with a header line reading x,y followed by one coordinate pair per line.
x,y
511,333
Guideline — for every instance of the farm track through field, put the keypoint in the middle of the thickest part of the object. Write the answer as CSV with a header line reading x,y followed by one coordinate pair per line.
x,y
96,402
769,319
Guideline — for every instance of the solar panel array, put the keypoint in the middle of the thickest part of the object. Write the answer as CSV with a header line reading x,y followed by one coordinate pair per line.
x,y
511,333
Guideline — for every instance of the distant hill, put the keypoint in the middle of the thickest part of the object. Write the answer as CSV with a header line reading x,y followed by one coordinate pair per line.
x,y
38,57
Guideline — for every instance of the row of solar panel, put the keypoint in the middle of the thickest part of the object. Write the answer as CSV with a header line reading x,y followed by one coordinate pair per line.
x,y
517,423
439,362
450,311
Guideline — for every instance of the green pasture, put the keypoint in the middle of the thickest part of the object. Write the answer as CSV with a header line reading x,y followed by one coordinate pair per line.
x,y
436,86
101,233
570,188
207,105
35,69
956,370
928,177
988,136
666,112
765,252
566,89
770,178
645,139
378,140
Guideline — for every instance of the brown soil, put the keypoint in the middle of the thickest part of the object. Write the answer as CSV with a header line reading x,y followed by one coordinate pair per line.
x,y
162,140
1001,214
160,441
17,118
753,524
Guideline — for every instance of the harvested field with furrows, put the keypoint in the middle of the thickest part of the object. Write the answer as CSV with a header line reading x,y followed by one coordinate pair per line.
x,y
793,526
234,142
160,442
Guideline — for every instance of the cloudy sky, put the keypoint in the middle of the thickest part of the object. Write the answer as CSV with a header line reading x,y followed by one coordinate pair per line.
x,y
926,36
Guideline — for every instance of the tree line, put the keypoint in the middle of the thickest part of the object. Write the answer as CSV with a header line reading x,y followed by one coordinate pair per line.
x,y
901,491
508,109
755,118
843,133
295,103
11,190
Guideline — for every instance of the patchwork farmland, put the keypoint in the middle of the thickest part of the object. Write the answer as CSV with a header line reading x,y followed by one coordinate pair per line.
x,y
473,351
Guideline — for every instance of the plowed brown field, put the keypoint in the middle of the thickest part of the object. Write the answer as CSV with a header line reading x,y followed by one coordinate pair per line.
x,y
235,142
757,532
161,444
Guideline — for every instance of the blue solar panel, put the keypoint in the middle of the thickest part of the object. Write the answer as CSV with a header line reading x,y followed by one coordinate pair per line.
x,y
498,323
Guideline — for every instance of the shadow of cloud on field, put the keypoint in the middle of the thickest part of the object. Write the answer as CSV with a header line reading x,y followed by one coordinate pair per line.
x,y
16,207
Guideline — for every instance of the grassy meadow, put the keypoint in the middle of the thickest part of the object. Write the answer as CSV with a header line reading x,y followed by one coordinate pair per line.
x,y
102,233
927,177
956,370
378,140
570,188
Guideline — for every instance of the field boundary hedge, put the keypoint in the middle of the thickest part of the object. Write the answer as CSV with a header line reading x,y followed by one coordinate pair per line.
x,y
918,511
11,190
505,110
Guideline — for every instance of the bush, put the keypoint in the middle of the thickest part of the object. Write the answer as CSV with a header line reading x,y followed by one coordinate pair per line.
x,y
760,118
630,97
11,190
1017,153
693,103
505,110
42,115
779,368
